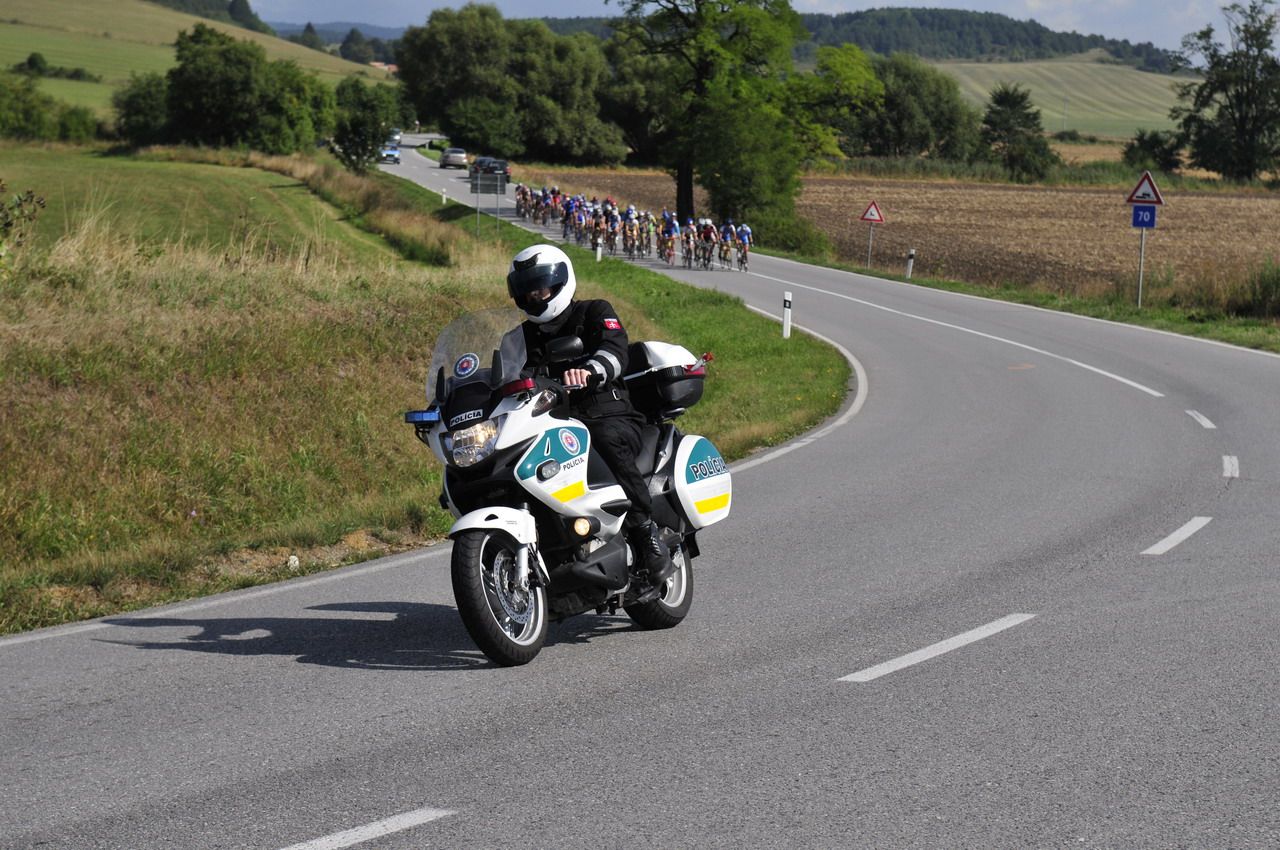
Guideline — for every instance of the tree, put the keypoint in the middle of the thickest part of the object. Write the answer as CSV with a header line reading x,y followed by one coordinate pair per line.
x,y
141,111
1159,150
224,92
636,98
509,87
722,42
240,12
1012,130
362,124
921,114
25,111
355,48
1231,118
35,65
77,124
215,89
310,38
835,99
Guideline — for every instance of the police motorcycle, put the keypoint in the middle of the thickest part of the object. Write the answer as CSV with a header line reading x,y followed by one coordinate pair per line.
x,y
539,529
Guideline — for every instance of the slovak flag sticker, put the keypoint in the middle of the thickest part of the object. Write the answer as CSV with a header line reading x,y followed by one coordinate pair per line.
x,y
569,440
612,325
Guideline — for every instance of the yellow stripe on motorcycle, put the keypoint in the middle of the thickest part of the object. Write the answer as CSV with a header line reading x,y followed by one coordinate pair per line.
x,y
715,503
568,494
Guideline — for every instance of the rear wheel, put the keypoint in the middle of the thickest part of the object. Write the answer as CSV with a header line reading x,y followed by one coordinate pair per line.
x,y
675,598
507,622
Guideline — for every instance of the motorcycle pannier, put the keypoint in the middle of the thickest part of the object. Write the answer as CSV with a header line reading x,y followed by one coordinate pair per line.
x,y
664,380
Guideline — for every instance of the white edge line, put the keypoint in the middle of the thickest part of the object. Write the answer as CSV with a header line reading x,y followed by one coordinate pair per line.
x,y
945,292
1230,466
977,333
368,832
937,649
1202,419
1179,536
226,598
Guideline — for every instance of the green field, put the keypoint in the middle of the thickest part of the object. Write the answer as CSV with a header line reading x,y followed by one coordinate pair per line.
x,y
159,202
1099,99
112,39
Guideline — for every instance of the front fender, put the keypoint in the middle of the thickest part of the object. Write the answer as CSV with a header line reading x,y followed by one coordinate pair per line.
x,y
517,524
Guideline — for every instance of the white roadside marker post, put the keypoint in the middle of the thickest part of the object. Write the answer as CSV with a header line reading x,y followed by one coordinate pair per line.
x,y
911,261
786,315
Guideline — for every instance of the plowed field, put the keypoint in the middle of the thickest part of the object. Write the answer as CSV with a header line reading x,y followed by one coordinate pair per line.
x,y
1062,238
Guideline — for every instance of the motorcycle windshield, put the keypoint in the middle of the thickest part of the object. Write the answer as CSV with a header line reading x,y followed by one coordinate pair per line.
x,y
486,346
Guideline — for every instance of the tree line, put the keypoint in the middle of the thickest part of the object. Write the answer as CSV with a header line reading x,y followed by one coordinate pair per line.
x,y
934,34
231,11
957,34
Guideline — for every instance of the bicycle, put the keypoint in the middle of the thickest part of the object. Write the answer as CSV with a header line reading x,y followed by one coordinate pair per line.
x,y
742,256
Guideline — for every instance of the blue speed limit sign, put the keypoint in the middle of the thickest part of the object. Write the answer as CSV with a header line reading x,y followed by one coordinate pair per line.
x,y
1144,215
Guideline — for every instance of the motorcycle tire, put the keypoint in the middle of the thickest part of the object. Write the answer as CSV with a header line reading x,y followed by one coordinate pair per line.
x,y
507,623
674,599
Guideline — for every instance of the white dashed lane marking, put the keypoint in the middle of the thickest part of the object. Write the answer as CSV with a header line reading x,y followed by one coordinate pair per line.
x,y
937,649
1179,536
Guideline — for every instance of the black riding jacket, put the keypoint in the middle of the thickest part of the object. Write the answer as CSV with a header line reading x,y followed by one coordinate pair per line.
x,y
604,343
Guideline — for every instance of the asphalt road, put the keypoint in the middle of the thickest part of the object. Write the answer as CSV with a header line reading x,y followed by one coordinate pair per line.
x,y
1007,497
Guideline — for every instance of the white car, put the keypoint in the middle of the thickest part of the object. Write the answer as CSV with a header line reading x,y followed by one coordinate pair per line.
x,y
453,158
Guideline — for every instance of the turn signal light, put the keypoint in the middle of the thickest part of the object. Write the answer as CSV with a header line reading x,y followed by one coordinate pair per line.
x,y
582,526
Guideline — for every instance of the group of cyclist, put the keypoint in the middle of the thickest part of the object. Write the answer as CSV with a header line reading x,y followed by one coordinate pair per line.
x,y
606,225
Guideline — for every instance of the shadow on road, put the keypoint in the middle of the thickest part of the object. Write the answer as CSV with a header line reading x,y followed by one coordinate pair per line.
x,y
418,636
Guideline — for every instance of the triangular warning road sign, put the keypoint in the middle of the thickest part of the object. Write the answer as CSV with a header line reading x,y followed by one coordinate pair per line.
x,y
873,214
1146,192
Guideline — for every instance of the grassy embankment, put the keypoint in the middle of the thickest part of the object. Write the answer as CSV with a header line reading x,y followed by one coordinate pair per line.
x,y
203,370
121,37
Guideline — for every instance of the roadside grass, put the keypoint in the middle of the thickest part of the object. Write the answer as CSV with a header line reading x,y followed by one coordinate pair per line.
x,y
181,415
1215,304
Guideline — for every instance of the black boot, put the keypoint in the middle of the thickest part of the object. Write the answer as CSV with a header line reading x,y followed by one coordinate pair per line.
x,y
651,554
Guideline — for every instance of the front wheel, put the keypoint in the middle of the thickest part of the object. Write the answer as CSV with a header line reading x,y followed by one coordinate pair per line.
x,y
675,598
507,622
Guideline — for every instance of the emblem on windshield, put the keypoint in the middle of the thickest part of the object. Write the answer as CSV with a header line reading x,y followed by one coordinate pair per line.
x,y
467,365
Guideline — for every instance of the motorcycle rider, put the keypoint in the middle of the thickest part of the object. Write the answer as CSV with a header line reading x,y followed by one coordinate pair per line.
x,y
542,284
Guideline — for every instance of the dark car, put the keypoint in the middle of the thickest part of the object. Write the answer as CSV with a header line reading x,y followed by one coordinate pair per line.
x,y
479,164
497,166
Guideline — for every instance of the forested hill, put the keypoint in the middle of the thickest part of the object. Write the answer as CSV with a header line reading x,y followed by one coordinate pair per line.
x,y
232,11
940,34
957,34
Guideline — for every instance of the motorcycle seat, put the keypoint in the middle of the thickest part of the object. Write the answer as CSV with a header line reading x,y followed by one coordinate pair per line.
x,y
647,459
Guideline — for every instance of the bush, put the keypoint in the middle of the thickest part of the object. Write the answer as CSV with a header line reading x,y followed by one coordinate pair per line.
x,y
1154,150
1264,291
141,113
77,124
792,234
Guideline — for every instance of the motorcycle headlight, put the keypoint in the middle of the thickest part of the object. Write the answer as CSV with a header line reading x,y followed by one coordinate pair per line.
x,y
471,445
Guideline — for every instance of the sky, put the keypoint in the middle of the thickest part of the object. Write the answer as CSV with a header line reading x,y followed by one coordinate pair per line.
x,y
1162,22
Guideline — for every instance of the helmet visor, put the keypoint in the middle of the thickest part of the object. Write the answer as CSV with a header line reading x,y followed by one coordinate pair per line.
x,y
533,286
